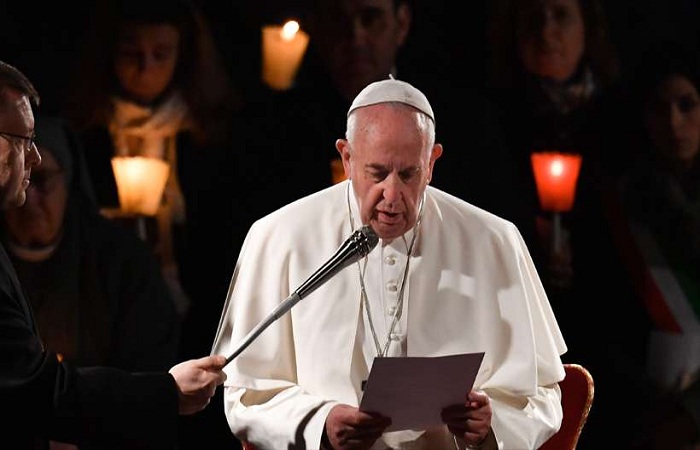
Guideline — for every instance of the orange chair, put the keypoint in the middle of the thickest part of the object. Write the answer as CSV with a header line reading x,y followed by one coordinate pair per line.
x,y
576,401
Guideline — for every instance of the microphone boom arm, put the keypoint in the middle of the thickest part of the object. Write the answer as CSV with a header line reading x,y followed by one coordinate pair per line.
x,y
358,245
278,312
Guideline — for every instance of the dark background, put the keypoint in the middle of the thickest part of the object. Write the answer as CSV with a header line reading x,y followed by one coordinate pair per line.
x,y
448,36
447,40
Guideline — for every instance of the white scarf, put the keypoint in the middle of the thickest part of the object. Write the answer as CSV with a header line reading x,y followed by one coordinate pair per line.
x,y
568,96
147,131
152,132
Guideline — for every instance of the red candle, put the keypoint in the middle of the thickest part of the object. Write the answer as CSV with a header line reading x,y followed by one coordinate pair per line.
x,y
556,174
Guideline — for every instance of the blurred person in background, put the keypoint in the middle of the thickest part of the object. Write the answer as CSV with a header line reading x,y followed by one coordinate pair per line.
x,y
150,82
662,187
95,288
50,398
659,233
353,43
555,75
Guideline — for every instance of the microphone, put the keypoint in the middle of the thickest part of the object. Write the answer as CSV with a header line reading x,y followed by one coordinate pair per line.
x,y
355,247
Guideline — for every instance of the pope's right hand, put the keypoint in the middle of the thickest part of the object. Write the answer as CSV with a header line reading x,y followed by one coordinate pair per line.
x,y
349,428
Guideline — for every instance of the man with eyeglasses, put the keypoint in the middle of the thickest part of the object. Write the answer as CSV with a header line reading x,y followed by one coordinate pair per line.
x,y
50,399
27,141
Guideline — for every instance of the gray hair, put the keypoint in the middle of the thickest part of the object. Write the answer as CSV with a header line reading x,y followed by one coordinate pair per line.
x,y
425,123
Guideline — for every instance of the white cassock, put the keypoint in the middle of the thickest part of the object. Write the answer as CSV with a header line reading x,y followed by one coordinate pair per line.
x,y
471,287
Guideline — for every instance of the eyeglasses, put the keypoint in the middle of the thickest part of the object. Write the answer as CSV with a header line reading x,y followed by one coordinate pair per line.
x,y
29,141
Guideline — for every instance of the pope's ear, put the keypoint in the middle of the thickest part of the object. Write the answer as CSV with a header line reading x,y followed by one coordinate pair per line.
x,y
436,152
344,150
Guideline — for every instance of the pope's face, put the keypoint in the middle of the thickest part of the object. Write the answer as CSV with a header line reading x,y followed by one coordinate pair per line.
x,y
389,158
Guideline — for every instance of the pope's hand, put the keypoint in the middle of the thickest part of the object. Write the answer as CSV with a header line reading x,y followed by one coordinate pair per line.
x,y
470,421
349,428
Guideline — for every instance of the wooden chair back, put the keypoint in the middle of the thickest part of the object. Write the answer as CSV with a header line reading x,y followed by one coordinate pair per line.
x,y
577,390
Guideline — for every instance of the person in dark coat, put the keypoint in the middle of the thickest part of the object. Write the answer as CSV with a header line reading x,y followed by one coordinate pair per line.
x,y
49,398
96,289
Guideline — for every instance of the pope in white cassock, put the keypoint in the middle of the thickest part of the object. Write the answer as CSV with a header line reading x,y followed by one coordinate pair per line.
x,y
446,278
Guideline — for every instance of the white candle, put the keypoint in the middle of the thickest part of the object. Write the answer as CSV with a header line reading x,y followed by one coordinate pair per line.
x,y
282,52
140,183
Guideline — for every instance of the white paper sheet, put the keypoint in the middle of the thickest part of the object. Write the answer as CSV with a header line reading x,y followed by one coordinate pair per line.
x,y
414,390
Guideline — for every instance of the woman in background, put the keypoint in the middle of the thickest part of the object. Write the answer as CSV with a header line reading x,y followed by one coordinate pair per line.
x,y
151,82
556,76
660,203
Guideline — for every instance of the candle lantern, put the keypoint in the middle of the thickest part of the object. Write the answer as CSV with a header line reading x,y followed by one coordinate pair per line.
x,y
140,183
556,174
283,48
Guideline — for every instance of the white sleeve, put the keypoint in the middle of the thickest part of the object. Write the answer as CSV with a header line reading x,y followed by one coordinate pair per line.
x,y
284,421
529,424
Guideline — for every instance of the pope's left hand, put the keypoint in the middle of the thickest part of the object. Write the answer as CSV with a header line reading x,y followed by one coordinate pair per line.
x,y
470,421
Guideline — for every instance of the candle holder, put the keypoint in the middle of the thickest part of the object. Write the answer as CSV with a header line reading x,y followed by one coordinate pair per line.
x,y
283,48
556,174
140,183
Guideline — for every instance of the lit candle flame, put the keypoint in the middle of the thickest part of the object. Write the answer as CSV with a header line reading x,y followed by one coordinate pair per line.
x,y
556,175
283,49
289,30
557,168
140,183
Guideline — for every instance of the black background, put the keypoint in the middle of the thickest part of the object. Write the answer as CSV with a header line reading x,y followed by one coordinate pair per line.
x,y
447,37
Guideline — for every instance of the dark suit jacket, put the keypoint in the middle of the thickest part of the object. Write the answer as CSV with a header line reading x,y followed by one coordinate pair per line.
x,y
43,398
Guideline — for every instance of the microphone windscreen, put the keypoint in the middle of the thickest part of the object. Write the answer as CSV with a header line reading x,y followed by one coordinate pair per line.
x,y
369,240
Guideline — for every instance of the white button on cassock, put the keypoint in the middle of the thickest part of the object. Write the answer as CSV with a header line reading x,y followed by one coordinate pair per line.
x,y
390,260
391,286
